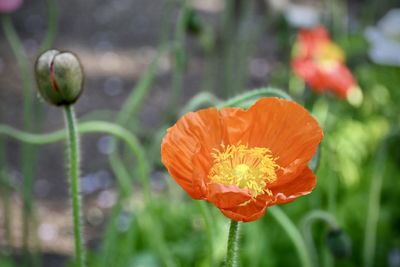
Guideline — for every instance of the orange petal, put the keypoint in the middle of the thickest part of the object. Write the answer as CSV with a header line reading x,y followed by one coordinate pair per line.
x,y
236,121
300,186
195,133
288,130
309,40
251,212
339,80
227,196
308,71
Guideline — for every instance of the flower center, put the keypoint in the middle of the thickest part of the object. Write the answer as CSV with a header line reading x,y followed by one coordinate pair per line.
x,y
328,56
247,168
330,51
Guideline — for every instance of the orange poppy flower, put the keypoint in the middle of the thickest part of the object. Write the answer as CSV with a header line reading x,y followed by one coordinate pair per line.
x,y
243,161
321,63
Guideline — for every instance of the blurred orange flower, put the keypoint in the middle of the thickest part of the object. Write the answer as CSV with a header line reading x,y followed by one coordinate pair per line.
x,y
321,63
243,161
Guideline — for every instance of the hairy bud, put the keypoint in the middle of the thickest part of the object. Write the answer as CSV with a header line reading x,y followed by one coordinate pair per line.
x,y
59,77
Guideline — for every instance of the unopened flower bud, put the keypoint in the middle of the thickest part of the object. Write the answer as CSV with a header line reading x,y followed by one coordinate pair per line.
x,y
59,77
339,243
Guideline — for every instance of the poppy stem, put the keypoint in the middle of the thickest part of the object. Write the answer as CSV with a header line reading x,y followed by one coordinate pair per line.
x,y
293,234
208,222
306,225
52,25
5,192
253,95
73,149
179,54
27,152
374,204
233,244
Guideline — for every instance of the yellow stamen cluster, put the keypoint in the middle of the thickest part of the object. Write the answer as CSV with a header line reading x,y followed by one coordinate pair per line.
x,y
248,168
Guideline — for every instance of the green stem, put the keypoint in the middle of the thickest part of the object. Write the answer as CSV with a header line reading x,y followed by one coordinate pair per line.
x,y
306,225
5,192
89,127
229,44
233,244
27,159
293,234
22,62
168,8
205,212
199,100
127,114
110,238
122,175
118,132
254,95
6,195
73,148
179,55
141,90
52,24
374,205
153,229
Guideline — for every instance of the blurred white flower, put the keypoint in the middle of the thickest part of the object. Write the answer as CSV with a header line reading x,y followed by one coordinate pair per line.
x,y
384,39
302,16
298,15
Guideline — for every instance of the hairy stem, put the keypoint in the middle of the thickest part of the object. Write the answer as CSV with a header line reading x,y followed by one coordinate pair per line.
x,y
233,244
86,127
253,95
199,101
73,149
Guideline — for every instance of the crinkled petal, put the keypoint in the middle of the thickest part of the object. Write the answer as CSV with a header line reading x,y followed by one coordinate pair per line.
x,y
227,196
300,186
289,131
246,213
196,133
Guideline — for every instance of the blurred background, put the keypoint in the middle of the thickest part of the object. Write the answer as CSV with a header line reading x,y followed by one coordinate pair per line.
x,y
168,52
